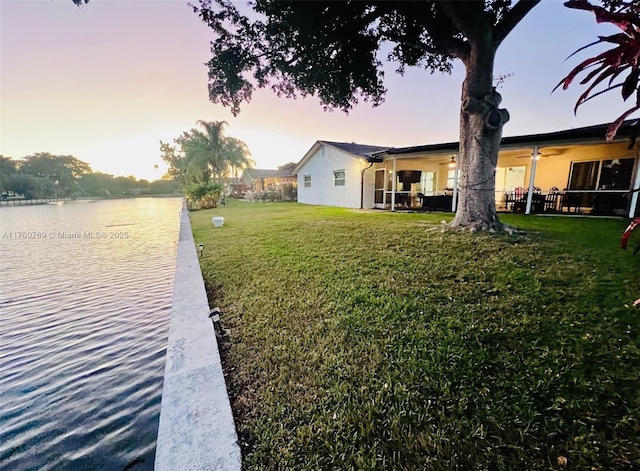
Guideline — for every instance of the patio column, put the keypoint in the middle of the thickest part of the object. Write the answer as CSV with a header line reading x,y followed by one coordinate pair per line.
x,y
393,186
634,195
532,178
454,199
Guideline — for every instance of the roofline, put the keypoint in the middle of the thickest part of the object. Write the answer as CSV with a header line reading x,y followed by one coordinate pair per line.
x,y
584,135
249,171
316,145
368,155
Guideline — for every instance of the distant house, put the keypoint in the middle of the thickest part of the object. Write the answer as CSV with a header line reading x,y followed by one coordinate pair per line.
x,y
572,170
231,185
262,180
334,174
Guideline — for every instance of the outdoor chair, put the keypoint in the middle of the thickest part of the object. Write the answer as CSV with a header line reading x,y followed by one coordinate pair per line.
x,y
571,200
520,200
551,201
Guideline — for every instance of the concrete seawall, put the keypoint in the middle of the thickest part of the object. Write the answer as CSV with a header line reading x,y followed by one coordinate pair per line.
x,y
196,430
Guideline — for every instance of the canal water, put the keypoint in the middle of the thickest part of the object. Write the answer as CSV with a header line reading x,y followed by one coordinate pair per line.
x,y
85,300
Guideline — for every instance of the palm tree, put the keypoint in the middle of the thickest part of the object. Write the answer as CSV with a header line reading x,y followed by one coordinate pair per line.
x,y
206,154
204,151
237,155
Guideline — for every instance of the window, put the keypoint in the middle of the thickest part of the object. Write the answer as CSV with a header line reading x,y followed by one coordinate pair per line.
x,y
601,175
451,176
616,174
338,178
427,183
307,181
584,175
510,178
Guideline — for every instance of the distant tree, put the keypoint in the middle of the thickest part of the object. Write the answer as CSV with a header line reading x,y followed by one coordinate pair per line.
x,y
621,61
8,167
125,185
97,184
203,155
62,170
206,150
162,187
174,159
237,156
288,166
330,49
30,186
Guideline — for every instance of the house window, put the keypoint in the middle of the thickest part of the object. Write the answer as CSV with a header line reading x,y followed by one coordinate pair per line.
x,y
307,181
616,174
338,178
451,178
584,175
427,183
612,174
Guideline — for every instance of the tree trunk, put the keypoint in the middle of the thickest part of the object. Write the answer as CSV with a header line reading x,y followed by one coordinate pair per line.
x,y
481,125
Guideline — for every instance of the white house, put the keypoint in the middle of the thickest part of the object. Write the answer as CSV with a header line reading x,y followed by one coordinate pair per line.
x,y
571,170
334,174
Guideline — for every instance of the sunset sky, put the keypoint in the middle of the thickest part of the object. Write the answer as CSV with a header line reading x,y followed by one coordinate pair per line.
x,y
107,81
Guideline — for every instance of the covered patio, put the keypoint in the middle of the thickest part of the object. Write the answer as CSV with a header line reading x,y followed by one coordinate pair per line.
x,y
572,172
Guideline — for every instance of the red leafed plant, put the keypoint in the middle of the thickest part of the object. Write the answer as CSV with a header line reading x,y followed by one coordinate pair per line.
x,y
624,240
621,61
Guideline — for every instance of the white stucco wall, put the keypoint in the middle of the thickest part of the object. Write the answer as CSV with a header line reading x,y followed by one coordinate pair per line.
x,y
321,166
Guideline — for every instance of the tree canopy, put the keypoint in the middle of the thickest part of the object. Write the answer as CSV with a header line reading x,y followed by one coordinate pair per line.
x,y
288,166
62,171
45,175
206,154
332,50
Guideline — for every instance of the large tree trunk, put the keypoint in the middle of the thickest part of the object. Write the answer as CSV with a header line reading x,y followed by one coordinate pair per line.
x,y
481,125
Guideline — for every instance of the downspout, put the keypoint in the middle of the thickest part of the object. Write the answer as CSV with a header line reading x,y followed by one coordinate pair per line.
x,y
532,178
362,183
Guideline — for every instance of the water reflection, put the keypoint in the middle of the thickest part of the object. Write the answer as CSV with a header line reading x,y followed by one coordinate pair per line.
x,y
83,326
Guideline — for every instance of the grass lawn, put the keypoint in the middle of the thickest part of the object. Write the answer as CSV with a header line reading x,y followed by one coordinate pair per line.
x,y
370,340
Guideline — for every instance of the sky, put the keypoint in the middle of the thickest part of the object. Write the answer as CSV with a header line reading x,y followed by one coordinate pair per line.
x,y
107,81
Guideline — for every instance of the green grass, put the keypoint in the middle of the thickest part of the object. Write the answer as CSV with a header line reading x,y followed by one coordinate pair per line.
x,y
373,340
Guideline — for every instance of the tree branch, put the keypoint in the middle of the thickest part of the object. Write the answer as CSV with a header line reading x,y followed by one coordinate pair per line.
x,y
455,47
466,16
511,19
416,45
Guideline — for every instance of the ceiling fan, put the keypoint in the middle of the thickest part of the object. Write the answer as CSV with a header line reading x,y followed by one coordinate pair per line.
x,y
540,155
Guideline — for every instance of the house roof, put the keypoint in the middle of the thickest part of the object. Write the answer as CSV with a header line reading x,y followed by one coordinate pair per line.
x,y
255,173
363,151
588,134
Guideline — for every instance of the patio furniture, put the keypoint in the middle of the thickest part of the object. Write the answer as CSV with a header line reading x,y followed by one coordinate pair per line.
x,y
610,203
436,203
404,199
538,201
571,200
519,203
551,200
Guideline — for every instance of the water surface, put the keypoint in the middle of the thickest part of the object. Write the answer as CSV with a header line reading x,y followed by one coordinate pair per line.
x,y
85,299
